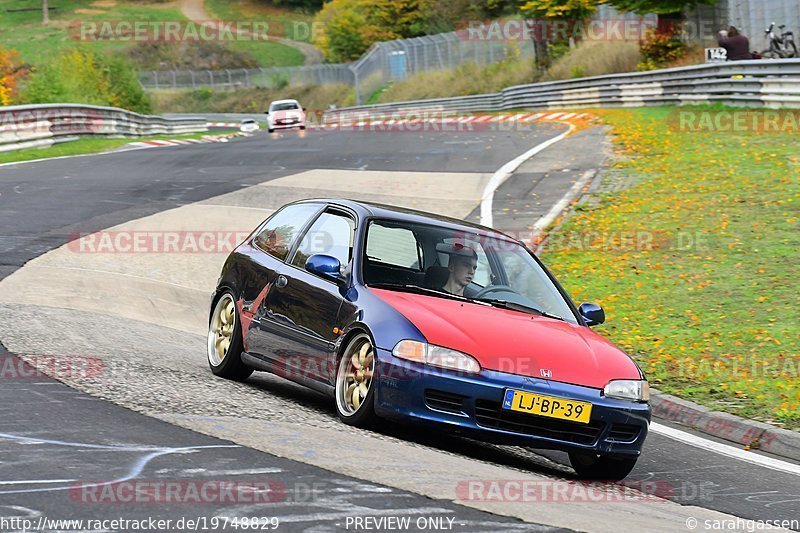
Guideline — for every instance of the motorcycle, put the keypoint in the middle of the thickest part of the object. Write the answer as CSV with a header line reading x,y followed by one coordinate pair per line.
x,y
780,46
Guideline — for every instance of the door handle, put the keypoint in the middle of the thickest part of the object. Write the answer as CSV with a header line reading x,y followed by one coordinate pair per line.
x,y
281,282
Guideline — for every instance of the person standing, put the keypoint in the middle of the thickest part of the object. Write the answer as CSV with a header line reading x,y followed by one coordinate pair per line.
x,y
736,44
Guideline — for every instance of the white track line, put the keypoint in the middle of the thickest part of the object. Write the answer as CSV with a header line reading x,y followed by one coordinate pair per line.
x,y
506,170
724,449
564,202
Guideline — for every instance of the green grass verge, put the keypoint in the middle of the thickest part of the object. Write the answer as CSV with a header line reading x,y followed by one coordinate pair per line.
x,y
270,54
23,31
248,100
706,301
283,22
89,145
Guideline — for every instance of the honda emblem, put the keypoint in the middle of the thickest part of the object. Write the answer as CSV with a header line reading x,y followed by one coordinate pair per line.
x,y
546,373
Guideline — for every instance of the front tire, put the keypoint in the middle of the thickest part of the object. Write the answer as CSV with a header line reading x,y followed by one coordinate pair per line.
x,y
355,386
224,343
601,467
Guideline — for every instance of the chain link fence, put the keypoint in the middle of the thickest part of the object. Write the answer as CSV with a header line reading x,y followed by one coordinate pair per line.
x,y
382,63
275,77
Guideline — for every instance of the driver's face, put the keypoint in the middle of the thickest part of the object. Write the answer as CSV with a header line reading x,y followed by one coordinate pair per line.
x,y
462,270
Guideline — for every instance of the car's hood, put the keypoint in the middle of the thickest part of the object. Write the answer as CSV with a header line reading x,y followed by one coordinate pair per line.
x,y
514,342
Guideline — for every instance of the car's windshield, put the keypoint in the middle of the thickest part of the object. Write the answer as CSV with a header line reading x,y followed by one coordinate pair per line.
x,y
284,106
463,263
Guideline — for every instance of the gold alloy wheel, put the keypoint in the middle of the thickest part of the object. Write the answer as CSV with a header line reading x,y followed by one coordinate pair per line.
x,y
354,377
220,330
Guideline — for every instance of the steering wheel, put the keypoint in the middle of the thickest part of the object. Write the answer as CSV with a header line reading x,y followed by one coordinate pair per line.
x,y
492,289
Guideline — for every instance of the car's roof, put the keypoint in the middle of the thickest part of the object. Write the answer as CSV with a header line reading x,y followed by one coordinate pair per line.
x,y
390,212
289,101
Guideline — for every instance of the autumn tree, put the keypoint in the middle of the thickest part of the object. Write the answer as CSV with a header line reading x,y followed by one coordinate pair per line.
x,y
10,74
350,27
538,12
659,7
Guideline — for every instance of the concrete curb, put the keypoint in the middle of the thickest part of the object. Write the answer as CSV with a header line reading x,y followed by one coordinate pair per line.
x,y
749,433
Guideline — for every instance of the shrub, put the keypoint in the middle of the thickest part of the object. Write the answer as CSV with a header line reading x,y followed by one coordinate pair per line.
x,y
660,48
10,74
82,76
466,79
350,27
595,58
126,92
203,55
250,99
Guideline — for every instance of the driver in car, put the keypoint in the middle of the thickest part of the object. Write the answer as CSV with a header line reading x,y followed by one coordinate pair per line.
x,y
462,265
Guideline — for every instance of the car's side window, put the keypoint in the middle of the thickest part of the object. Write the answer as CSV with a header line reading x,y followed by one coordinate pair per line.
x,y
331,234
393,246
277,236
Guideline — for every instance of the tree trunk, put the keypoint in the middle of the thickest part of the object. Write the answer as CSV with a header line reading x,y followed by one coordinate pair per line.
x,y
541,46
45,12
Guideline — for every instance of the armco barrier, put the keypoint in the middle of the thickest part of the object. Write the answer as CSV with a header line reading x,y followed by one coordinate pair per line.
x,y
42,125
762,83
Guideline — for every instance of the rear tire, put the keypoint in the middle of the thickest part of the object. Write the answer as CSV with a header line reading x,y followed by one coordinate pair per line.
x,y
271,130
601,467
224,343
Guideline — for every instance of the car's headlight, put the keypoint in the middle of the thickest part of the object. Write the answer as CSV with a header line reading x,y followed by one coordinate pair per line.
x,y
430,354
628,389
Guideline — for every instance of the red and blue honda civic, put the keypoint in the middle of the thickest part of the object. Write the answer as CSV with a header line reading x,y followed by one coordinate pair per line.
x,y
404,315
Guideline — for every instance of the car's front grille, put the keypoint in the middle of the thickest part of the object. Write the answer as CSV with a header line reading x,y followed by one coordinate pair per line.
x,y
444,401
490,415
623,433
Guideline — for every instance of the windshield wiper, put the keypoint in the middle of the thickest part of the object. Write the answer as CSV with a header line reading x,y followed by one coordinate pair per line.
x,y
513,306
424,290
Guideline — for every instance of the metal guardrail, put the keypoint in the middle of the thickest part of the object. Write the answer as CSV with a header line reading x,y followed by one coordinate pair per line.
x,y
762,83
36,126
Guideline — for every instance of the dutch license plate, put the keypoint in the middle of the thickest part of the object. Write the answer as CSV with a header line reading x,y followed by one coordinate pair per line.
x,y
549,406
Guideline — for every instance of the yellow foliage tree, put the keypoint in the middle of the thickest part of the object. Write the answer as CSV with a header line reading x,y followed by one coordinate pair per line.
x,y
10,74
350,27
569,9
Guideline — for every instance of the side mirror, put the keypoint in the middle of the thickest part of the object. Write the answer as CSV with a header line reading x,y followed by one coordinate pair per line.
x,y
593,314
325,266
266,112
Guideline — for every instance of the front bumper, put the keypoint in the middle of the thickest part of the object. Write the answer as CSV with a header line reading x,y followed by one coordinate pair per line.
x,y
470,405
299,124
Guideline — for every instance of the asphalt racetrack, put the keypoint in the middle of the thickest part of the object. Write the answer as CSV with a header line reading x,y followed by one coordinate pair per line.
x,y
153,412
